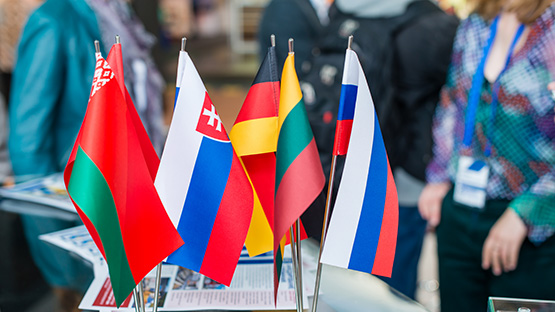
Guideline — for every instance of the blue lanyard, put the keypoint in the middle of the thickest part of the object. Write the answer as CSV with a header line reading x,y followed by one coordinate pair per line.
x,y
476,88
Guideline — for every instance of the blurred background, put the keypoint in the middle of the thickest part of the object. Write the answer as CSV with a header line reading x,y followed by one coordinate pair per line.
x,y
222,41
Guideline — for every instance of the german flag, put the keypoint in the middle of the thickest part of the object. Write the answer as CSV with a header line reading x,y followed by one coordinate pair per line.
x,y
254,136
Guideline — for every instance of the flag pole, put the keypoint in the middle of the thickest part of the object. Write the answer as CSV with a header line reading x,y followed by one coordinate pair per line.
x,y
157,286
294,259
299,261
138,292
327,211
324,231
135,294
136,299
183,43
295,246
97,46
159,266
142,295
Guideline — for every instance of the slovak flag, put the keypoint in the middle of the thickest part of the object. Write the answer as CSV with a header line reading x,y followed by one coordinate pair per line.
x,y
202,183
362,233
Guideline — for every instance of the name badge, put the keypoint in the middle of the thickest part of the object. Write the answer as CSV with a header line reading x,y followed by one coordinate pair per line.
x,y
471,182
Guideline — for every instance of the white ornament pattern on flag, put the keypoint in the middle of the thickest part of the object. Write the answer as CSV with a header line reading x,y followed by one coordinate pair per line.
x,y
102,74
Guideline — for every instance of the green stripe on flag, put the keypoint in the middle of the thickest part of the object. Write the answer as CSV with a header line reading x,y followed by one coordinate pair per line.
x,y
294,136
279,263
90,191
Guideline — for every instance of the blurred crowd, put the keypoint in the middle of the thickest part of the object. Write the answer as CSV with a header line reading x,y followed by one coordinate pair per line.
x,y
461,89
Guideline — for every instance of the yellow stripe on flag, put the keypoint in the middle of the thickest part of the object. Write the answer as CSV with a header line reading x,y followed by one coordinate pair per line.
x,y
290,90
255,136
260,238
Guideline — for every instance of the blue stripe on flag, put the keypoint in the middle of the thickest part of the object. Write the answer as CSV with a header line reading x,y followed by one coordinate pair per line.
x,y
347,102
175,100
205,193
371,215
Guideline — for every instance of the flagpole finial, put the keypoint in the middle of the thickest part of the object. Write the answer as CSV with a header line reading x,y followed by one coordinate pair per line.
x,y
97,46
291,45
273,40
183,43
350,42
117,39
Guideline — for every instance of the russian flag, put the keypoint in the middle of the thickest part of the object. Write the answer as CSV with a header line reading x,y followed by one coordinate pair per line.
x,y
362,234
202,184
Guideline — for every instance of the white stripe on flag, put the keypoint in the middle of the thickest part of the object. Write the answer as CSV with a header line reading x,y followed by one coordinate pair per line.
x,y
350,71
181,63
182,144
346,214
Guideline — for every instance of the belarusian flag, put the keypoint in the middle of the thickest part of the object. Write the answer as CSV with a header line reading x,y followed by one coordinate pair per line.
x,y
299,174
109,182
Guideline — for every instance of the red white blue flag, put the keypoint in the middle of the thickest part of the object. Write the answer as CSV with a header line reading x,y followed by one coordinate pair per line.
x,y
362,234
202,183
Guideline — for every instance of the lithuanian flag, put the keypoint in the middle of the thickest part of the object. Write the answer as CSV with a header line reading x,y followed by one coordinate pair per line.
x,y
299,174
108,179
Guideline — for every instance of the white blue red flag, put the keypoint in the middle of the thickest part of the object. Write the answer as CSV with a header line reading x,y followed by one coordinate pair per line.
x,y
202,184
362,234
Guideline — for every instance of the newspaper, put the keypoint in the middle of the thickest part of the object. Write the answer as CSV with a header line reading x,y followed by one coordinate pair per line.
x,y
49,191
77,240
185,290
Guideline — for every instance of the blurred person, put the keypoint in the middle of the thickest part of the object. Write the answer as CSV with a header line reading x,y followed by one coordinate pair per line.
x,y
491,183
421,47
13,15
551,87
301,20
50,89
404,48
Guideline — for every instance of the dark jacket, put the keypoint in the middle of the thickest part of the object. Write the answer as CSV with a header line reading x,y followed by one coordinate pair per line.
x,y
422,56
286,19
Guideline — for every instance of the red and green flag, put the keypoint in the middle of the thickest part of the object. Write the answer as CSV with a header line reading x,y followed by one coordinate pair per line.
x,y
299,174
110,182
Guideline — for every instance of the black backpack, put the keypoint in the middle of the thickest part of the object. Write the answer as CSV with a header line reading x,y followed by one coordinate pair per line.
x,y
321,82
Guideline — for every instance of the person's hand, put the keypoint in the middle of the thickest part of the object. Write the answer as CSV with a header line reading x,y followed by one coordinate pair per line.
x,y
551,86
502,246
429,203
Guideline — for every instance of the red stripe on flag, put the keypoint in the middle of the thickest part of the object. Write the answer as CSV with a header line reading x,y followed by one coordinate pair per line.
x,y
301,184
385,252
92,230
262,171
125,173
343,130
115,61
230,227
255,104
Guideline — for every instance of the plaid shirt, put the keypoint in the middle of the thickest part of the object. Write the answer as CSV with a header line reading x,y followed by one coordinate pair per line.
x,y
522,162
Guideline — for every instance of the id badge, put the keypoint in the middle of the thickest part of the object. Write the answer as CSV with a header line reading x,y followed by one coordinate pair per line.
x,y
471,182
